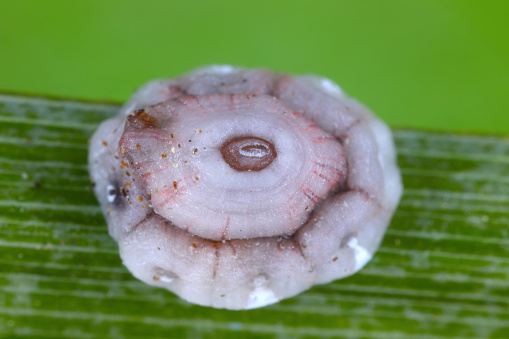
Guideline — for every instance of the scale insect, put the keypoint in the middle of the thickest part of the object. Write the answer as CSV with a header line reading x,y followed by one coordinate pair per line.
x,y
237,188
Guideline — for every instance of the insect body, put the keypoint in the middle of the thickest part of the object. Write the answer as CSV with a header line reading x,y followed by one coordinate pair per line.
x,y
237,188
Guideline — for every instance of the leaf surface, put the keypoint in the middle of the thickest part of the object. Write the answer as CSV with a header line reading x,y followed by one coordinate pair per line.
x,y
441,272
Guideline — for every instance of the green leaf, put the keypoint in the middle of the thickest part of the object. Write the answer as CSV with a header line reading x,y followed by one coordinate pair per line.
x,y
441,272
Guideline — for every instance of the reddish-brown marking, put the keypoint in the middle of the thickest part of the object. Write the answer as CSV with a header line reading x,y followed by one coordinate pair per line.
x,y
292,213
311,128
163,168
234,250
170,195
310,194
329,158
364,194
203,110
174,90
297,246
225,230
140,119
328,180
334,169
322,140
216,264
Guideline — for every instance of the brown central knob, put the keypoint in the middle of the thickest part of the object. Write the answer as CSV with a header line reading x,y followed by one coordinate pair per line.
x,y
248,153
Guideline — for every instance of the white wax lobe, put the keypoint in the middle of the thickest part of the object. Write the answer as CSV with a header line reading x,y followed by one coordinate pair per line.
x,y
238,188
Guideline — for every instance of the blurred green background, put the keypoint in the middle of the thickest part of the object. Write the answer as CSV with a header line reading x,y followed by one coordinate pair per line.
x,y
425,64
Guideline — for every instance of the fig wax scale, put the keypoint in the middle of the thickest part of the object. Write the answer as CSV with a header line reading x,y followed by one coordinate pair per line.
x,y
237,188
